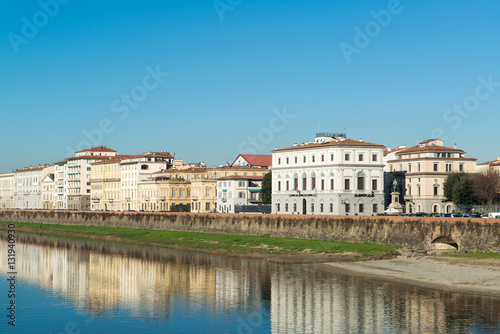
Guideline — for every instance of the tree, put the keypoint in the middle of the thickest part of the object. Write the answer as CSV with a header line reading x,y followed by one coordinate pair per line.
x,y
487,186
267,184
459,188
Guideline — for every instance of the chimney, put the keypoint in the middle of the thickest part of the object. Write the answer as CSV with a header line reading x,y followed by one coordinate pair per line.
x,y
361,139
294,144
455,146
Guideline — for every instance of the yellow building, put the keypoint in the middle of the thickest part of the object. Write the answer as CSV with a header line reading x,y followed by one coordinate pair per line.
x,y
203,195
426,167
164,195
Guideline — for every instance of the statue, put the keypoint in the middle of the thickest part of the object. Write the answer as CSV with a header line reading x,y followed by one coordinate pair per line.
x,y
395,186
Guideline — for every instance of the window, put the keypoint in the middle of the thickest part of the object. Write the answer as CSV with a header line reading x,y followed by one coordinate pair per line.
x,y
435,167
278,206
418,167
347,208
207,206
312,207
321,207
322,184
279,185
409,168
461,167
361,183
313,158
374,157
287,185
207,192
295,182
286,207
331,157
346,184
361,207
304,183
313,181
435,190
294,207
322,157
360,157
287,160
409,190
419,190
375,208
374,184
346,157
331,184
279,161
331,207
304,159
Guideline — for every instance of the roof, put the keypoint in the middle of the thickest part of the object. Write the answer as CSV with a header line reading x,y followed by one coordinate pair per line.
x,y
112,159
242,177
29,169
265,160
189,170
97,157
60,162
156,155
393,150
346,142
97,149
493,162
431,148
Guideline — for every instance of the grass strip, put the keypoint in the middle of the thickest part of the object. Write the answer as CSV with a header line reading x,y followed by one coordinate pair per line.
x,y
238,244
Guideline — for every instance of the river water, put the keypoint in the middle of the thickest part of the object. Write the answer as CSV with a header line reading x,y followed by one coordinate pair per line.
x,y
83,286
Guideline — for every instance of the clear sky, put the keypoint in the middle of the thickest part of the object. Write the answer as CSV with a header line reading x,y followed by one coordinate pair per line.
x,y
212,79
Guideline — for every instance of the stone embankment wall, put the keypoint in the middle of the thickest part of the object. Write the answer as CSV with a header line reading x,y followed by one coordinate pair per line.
x,y
473,235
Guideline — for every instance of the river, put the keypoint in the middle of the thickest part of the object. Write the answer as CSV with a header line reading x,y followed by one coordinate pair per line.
x,y
81,286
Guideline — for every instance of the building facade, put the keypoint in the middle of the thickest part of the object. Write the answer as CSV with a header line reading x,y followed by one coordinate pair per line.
x,y
426,167
48,192
28,186
60,199
7,191
330,176
238,191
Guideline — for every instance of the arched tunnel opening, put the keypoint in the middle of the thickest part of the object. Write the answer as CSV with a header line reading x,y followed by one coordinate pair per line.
x,y
444,243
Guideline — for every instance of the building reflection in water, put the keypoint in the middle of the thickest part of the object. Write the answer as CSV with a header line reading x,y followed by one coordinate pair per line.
x,y
153,282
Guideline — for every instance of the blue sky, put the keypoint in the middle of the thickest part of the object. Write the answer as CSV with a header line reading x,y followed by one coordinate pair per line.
x,y
244,76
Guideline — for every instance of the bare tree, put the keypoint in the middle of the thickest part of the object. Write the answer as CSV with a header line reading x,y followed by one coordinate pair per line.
x,y
487,186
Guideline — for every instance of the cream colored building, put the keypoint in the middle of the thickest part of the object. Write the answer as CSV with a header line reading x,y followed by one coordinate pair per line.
x,y
164,195
106,184
139,169
426,167
7,191
203,195
48,192
493,165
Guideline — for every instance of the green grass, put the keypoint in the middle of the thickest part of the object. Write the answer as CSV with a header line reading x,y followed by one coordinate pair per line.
x,y
493,256
238,244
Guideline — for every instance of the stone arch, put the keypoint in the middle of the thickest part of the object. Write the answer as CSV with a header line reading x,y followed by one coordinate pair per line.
x,y
444,243
448,208
435,208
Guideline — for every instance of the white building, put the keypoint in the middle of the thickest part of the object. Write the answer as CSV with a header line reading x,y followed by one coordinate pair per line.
x,y
7,191
60,200
139,169
238,190
330,176
77,176
28,186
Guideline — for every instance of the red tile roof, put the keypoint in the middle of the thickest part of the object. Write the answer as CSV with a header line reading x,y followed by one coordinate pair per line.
x,y
97,149
346,142
242,177
30,169
264,160
189,170
494,162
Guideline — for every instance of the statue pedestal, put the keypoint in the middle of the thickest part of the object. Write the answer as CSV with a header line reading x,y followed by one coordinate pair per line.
x,y
395,202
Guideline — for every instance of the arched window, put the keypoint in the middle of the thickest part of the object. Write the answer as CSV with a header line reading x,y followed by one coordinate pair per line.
x,y
304,181
313,181
296,182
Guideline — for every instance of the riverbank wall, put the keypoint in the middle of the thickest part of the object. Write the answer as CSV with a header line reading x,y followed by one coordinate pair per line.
x,y
472,235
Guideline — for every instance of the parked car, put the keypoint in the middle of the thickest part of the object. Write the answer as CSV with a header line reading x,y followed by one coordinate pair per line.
x,y
494,215
447,215
475,215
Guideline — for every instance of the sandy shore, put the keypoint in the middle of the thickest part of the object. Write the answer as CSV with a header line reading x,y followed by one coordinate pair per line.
x,y
451,274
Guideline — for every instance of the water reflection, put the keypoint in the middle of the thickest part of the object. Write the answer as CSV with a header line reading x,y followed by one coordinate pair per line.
x,y
156,283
